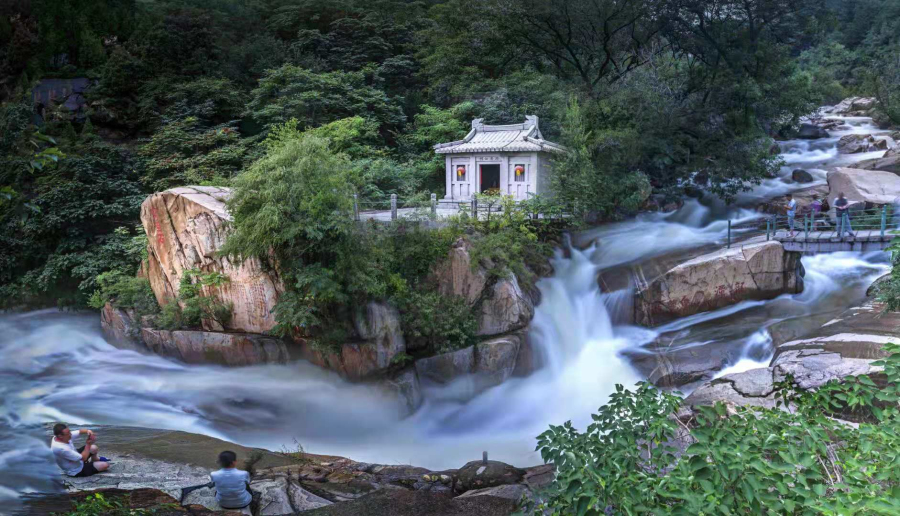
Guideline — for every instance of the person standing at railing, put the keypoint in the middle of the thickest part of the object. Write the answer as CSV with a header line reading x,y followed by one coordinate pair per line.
x,y
816,208
791,212
842,210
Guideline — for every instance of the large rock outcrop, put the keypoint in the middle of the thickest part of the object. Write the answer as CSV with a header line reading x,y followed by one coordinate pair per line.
x,y
873,187
487,363
852,106
186,227
845,346
760,270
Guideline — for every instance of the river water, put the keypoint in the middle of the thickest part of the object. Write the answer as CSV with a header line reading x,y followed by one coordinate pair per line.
x,y
57,367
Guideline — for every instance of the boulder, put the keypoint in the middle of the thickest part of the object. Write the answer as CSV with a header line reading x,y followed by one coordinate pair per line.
x,y
205,347
119,327
445,367
811,132
856,143
405,387
802,176
890,162
529,359
514,492
458,277
495,359
874,288
479,475
873,187
279,495
845,346
505,308
852,104
185,229
752,271
379,324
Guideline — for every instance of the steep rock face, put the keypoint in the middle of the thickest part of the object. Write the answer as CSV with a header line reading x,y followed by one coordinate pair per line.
x,y
205,347
120,327
753,271
185,228
845,346
445,367
458,277
505,308
873,187
495,359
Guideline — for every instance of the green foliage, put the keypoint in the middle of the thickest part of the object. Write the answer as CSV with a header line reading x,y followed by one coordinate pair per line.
x,y
796,459
438,322
124,291
318,98
98,505
888,291
196,295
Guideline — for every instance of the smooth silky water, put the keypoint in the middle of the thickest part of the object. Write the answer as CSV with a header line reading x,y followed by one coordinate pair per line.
x,y
57,367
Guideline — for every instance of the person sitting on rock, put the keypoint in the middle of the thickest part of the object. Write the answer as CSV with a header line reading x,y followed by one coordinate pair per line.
x,y
76,462
232,485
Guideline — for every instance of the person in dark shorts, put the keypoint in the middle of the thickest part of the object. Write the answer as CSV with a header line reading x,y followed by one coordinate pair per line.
x,y
76,462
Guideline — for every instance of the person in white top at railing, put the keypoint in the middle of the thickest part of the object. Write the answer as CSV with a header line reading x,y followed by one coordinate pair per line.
x,y
791,212
842,215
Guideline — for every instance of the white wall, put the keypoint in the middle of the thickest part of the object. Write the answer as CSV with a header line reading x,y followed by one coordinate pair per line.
x,y
465,189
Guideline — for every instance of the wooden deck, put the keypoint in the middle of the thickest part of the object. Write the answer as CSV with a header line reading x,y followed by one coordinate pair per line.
x,y
829,241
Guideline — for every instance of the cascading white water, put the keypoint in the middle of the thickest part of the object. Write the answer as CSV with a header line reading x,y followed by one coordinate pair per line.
x,y
56,366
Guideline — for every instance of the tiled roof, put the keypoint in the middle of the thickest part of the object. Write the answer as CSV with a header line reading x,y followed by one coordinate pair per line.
x,y
524,137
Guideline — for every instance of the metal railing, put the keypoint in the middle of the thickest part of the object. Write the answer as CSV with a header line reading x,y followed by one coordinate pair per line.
x,y
479,206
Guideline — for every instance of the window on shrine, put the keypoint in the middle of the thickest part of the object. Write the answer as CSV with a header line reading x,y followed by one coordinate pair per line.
x,y
519,173
460,172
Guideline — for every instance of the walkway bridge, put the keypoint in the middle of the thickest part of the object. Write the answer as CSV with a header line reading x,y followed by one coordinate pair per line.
x,y
861,230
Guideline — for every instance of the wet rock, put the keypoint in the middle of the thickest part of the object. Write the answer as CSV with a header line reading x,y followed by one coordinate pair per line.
x,y
205,347
478,475
753,271
186,227
852,104
279,496
889,163
873,187
495,359
120,328
856,143
506,308
445,367
811,132
802,176
380,325
458,277
845,346
405,387
529,359
514,492
874,288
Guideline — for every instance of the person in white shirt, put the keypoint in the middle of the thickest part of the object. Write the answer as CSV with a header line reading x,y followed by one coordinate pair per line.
x,y
791,212
232,484
76,462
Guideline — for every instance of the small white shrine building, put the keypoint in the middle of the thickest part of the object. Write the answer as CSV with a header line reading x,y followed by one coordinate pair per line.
x,y
501,159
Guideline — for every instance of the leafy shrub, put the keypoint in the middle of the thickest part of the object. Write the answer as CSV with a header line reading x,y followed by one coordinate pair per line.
x,y
437,322
99,505
197,306
795,459
124,291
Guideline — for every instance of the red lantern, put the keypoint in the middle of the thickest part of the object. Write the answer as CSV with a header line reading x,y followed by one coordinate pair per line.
x,y
520,170
460,171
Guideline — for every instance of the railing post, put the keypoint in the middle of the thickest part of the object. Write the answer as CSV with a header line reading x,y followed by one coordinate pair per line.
x,y
434,204
728,244
355,207
768,227
393,206
475,207
807,224
883,220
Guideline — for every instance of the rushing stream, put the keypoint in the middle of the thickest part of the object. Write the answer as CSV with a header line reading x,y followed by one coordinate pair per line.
x,y
57,366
